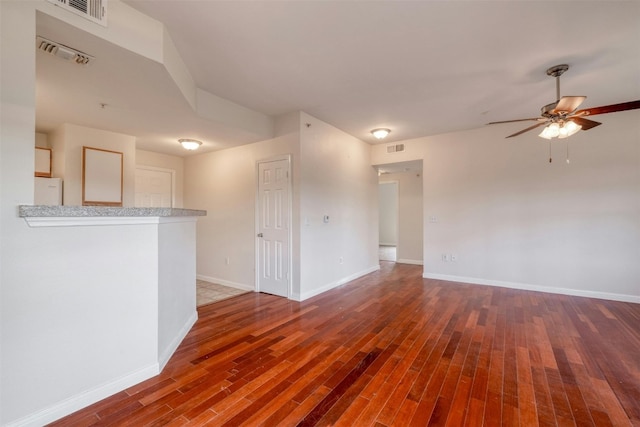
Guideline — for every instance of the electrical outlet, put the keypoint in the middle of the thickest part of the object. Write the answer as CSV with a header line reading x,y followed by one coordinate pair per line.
x,y
341,260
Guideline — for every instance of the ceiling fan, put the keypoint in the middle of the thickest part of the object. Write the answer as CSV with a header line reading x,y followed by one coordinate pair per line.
x,y
562,118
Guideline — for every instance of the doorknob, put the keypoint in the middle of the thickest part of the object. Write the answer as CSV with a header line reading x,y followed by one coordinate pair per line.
x,y
260,234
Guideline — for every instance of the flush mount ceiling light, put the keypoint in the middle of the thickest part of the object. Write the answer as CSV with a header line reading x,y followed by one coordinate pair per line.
x,y
190,144
380,133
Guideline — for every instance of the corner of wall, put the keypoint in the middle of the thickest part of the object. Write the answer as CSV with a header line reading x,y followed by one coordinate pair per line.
x,y
287,123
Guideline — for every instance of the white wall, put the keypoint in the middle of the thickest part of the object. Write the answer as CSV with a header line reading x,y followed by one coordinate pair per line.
x,y
67,142
18,249
176,287
59,333
410,202
388,213
224,184
165,161
332,175
337,180
42,140
514,219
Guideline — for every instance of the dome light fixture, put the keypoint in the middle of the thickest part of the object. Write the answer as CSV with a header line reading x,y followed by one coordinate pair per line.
x,y
380,133
190,144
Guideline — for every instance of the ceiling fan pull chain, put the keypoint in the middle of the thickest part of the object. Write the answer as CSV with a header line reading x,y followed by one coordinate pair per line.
x,y
568,162
550,160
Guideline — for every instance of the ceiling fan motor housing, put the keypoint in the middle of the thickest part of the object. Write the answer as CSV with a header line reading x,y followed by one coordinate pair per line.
x,y
547,110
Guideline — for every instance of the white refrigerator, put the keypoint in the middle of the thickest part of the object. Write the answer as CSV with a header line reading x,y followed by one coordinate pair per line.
x,y
48,191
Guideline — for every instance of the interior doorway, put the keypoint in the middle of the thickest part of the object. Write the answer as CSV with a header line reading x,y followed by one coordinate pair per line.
x,y
388,220
400,186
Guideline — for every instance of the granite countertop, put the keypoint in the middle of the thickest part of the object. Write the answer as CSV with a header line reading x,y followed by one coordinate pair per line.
x,y
25,211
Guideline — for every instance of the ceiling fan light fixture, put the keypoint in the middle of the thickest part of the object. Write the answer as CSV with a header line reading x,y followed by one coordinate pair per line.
x,y
190,144
380,133
545,133
571,127
560,130
551,131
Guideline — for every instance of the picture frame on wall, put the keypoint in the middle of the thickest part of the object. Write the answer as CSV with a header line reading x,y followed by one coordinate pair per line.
x,y
102,177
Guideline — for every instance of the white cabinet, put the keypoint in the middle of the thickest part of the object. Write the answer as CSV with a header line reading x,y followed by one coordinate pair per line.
x,y
48,191
43,162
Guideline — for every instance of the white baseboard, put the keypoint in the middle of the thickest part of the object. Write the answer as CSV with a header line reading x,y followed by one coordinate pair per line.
x,y
226,283
82,400
538,288
173,346
410,261
329,286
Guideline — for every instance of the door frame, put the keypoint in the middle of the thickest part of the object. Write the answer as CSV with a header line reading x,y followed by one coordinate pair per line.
x,y
173,180
288,158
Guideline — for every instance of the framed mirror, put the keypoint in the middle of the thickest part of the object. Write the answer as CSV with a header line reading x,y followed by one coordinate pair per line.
x,y
102,177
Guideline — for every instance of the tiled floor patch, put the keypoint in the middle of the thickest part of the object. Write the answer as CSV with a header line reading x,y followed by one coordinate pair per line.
x,y
207,292
387,253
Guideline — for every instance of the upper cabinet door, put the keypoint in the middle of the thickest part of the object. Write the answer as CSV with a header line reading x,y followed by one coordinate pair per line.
x,y
43,162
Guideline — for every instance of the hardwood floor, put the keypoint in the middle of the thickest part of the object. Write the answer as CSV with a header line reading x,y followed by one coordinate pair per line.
x,y
393,349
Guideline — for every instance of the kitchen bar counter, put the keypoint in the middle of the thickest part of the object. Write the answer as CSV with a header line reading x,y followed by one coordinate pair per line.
x,y
120,287
27,211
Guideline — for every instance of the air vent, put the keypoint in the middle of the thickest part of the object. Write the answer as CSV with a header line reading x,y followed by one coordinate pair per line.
x,y
61,51
395,148
93,10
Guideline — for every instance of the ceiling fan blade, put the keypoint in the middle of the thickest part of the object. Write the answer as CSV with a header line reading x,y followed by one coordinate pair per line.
x,y
585,123
517,120
527,129
568,104
631,105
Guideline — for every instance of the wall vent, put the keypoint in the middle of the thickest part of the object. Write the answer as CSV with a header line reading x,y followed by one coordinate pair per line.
x,y
93,10
61,51
395,148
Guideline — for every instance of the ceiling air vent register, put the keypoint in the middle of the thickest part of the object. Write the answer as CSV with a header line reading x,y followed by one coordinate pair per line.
x,y
93,10
61,51
395,148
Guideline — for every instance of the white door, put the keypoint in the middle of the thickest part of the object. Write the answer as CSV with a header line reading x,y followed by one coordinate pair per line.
x,y
154,188
273,234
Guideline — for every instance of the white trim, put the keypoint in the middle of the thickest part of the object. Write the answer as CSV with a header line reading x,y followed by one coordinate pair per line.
x,y
173,179
177,340
84,399
288,158
68,221
329,286
225,283
410,261
537,288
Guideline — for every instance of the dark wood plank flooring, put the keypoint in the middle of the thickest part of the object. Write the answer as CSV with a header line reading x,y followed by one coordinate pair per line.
x,y
393,349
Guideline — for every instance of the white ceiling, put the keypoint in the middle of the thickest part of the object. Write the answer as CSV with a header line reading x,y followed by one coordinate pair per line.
x,y
419,68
